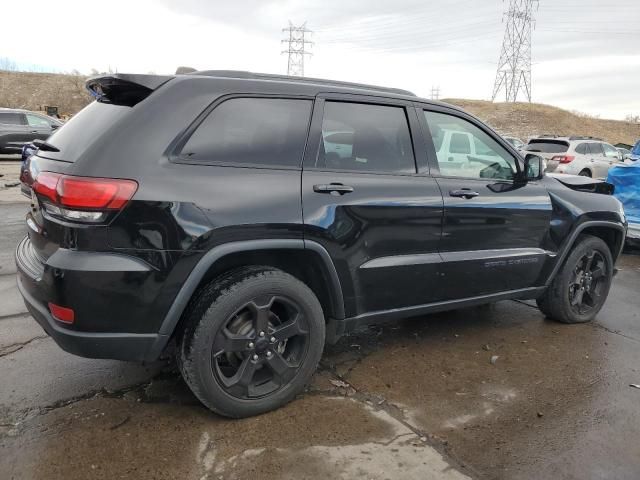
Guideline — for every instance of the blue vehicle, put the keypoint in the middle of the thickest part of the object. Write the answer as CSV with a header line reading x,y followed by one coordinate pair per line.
x,y
626,180
635,152
28,149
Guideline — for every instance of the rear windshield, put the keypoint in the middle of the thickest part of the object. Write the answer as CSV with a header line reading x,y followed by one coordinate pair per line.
x,y
76,135
547,146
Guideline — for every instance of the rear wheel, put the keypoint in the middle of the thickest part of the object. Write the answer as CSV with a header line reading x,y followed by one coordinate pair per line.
x,y
580,288
585,173
252,340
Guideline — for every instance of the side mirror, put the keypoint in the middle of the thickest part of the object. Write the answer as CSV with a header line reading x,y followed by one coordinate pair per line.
x,y
533,167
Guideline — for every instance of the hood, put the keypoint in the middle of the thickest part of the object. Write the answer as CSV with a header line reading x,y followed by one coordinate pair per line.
x,y
583,184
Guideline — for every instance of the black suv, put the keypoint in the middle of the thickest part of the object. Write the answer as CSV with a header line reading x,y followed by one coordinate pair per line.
x,y
249,218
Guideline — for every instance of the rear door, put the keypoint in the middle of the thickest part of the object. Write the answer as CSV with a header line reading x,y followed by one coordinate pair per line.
x,y
494,226
598,162
369,204
13,129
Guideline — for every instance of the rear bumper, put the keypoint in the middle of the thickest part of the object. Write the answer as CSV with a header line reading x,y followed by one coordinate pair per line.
x,y
108,345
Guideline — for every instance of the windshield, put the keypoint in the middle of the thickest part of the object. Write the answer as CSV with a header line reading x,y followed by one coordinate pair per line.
x,y
75,136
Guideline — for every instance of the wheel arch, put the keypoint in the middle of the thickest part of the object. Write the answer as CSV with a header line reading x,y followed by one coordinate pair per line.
x,y
613,234
308,261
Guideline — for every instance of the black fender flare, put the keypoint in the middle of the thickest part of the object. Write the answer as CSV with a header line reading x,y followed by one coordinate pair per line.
x,y
190,285
571,240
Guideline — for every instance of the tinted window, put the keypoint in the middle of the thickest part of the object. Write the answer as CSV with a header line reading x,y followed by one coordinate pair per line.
x,y
11,118
76,135
453,138
259,131
36,121
363,137
582,149
596,149
547,146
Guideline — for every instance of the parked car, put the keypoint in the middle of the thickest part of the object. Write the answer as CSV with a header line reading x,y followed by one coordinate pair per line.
x,y
585,156
18,127
626,153
212,211
28,149
516,142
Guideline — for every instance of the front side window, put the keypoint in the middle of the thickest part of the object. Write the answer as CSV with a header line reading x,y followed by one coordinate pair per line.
x,y
596,148
36,121
610,151
257,131
582,149
464,150
366,138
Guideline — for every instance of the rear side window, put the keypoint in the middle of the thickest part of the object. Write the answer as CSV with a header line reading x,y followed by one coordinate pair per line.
x,y
257,131
547,146
366,138
582,149
596,149
36,121
11,118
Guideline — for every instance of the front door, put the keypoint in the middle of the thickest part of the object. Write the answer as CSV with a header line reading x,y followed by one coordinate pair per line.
x,y
494,227
365,203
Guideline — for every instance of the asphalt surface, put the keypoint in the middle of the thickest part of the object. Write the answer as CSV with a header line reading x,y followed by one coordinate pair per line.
x,y
418,399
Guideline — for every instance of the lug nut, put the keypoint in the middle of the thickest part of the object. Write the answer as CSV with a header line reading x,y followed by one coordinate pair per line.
x,y
251,345
272,339
269,353
255,357
261,334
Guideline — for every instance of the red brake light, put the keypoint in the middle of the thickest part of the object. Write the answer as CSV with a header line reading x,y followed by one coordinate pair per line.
x,y
85,192
563,158
95,193
45,184
62,314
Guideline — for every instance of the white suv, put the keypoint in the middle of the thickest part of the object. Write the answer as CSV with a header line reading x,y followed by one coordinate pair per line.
x,y
586,156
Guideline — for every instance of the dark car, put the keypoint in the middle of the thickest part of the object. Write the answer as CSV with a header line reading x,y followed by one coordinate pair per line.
x,y
213,211
19,127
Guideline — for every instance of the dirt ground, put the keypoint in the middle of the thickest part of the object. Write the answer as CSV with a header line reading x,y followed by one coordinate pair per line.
x,y
418,399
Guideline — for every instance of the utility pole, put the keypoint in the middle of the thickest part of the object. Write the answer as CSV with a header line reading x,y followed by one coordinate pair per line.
x,y
296,43
514,67
435,93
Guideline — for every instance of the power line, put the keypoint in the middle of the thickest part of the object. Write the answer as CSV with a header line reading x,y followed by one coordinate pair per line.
x,y
514,67
296,50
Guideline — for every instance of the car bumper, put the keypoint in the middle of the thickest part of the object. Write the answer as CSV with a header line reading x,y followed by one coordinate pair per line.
x,y
117,346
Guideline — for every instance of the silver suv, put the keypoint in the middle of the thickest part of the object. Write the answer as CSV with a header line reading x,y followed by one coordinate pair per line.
x,y
586,156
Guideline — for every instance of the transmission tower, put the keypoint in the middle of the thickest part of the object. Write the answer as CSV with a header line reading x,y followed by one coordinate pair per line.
x,y
514,67
435,93
296,50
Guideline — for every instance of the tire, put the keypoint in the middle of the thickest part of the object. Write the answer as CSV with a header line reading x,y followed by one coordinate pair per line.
x,y
585,173
222,357
559,300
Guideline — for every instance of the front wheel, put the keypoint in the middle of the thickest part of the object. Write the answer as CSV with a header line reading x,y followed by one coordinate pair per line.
x,y
252,340
580,288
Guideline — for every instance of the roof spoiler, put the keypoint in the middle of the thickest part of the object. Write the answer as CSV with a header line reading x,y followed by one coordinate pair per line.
x,y
124,89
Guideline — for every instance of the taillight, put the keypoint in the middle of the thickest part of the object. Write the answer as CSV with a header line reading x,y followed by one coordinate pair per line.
x,y
83,198
563,158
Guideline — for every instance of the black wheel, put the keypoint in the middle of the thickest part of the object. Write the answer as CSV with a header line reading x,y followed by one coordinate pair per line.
x,y
585,173
252,340
581,286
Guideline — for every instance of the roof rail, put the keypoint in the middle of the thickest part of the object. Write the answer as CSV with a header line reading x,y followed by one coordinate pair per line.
x,y
580,137
549,135
269,76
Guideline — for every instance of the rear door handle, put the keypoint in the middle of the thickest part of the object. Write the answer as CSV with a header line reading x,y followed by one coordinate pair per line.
x,y
463,193
338,188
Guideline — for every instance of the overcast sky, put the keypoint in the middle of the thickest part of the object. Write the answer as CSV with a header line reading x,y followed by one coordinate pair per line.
x,y
586,53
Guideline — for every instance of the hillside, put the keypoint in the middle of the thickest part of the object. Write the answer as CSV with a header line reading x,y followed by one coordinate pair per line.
x,y
33,91
527,119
